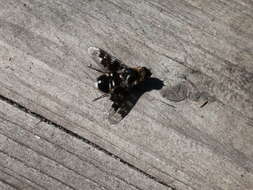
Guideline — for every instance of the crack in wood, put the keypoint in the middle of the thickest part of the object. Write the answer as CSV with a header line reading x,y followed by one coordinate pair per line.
x,y
49,176
43,119
21,178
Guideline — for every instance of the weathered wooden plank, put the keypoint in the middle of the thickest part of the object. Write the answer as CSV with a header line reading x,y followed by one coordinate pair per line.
x,y
44,55
198,57
64,175
236,15
36,176
6,186
17,180
32,141
14,182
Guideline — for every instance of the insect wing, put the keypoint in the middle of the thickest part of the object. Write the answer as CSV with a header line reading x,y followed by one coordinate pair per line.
x,y
120,109
114,117
95,54
116,114
104,60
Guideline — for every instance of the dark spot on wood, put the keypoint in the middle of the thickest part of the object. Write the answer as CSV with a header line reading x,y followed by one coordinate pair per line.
x,y
8,67
204,104
175,93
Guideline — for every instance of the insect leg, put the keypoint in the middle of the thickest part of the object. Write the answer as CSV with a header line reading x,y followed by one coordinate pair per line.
x,y
95,69
102,96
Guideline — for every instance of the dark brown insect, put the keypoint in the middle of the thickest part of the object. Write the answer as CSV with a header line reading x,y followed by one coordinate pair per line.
x,y
116,81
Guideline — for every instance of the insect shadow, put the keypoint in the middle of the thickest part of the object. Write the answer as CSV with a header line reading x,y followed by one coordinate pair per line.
x,y
150,84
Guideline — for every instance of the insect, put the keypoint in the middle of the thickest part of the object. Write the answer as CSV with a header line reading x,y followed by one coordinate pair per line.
x,y
116,82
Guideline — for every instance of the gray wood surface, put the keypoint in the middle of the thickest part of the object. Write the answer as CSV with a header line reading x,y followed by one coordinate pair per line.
x,y
15,180
37,155
5,186
43,66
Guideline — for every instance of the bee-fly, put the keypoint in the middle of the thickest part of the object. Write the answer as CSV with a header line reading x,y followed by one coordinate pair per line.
x,y
116,81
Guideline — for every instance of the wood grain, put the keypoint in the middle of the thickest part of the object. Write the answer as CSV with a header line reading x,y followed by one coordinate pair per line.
x,y
16,180
43,67
5,186
30,144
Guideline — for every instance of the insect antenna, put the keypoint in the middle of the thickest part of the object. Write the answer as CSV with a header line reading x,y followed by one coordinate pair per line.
x,y
102,96
95,69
